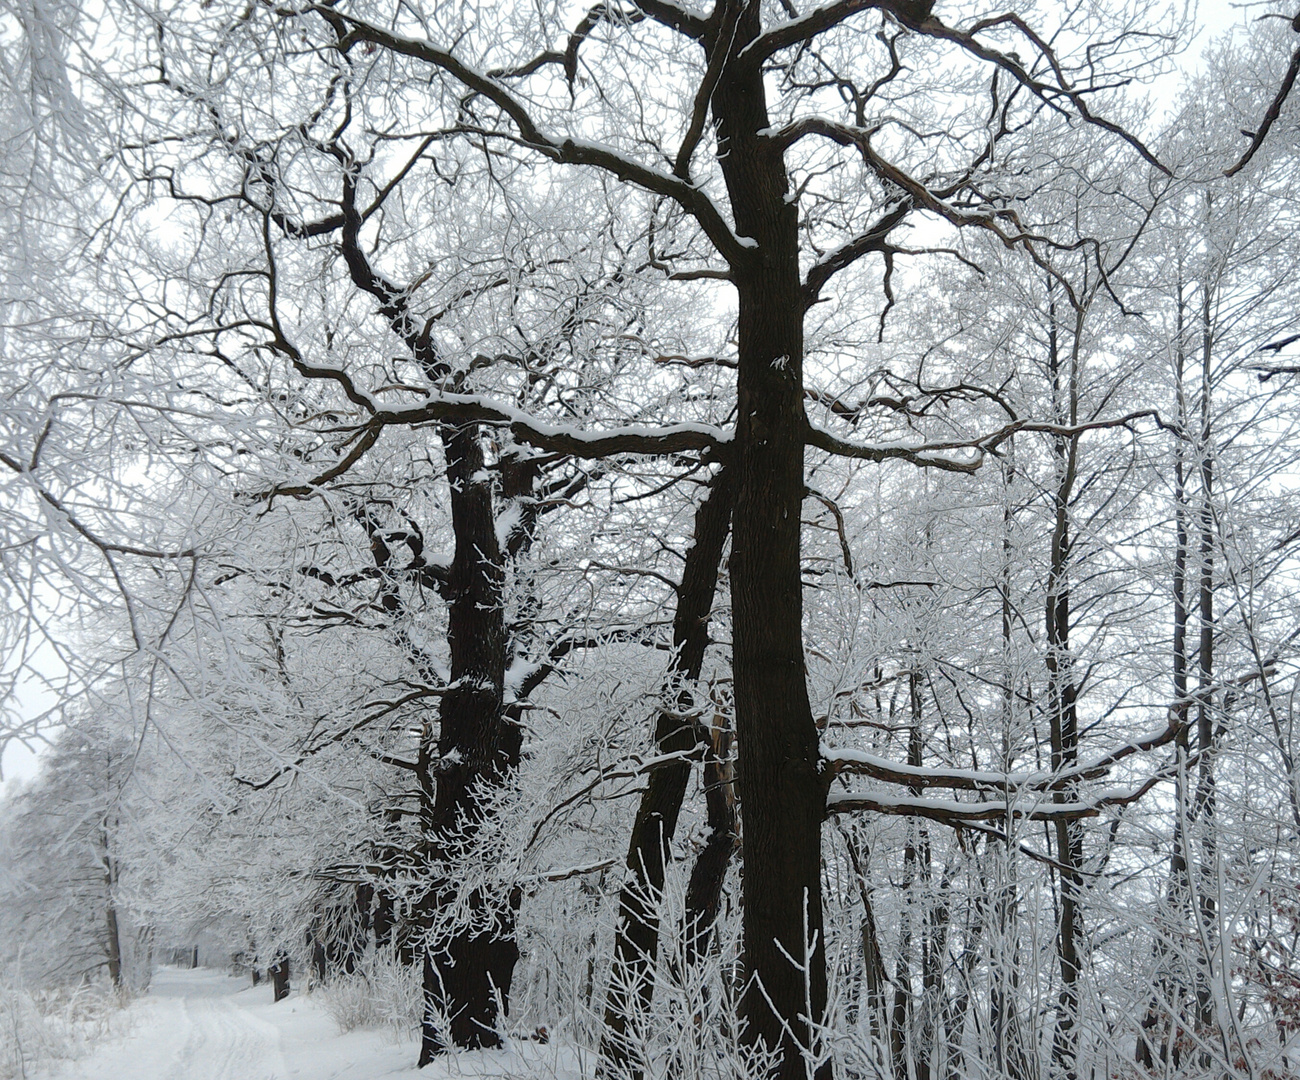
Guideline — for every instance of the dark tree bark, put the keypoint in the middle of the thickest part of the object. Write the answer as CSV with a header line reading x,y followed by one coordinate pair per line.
x,y
1157,1041
319,960
114,946
1206,788
113,936
910,1057
779,778
873,963
709,874
467,975
1062,692
636,938
279,972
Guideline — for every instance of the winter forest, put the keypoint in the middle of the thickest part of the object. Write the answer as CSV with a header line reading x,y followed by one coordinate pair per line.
x,y
730,538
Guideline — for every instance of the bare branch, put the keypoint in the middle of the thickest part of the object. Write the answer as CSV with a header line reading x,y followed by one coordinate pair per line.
x,y
564,151
1274,109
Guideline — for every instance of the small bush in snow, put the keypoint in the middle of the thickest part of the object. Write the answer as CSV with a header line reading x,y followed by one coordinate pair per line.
x,y
383,993
41,1027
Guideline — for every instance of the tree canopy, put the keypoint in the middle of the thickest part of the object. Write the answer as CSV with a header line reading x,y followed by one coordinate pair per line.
x,y
762,536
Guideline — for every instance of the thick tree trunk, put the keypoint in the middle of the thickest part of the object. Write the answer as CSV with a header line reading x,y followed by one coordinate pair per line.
x,y
780,782
636,938
467,973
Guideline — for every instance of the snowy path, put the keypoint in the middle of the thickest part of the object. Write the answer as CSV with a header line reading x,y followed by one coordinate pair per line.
x,y
205,1025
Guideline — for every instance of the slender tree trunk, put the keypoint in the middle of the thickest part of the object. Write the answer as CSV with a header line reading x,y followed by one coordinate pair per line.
x,y
909,1054
636,937
934,1033
781,786
1062,694
1205,799
957,1008
704,891
113,936
114,946
1158,1037
873,963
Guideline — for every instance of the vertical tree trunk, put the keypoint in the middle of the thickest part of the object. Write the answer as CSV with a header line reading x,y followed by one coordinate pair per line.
x,y
468,972
636,937
113,937
873,963
934,963
908,1053
780,782
1158,1037
1062,693
1205,802
279,972
114,946
704,891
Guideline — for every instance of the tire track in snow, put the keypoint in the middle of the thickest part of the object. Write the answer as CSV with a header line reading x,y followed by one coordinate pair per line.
x,y
189,1028
227,1043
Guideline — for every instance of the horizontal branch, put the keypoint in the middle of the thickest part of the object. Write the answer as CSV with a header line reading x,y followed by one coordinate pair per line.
x,y
926,455
819,20
956,814
559,438
858,762
934,455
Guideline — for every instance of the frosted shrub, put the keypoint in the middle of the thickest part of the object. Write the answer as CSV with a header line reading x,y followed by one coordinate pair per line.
x,y
383,993
38,1028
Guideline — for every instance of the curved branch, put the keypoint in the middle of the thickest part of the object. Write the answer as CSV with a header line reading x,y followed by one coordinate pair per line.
x,y
564,151
1274,109
1045,92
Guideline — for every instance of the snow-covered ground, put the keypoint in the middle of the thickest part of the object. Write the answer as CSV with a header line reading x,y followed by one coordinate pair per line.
x,y
207,1025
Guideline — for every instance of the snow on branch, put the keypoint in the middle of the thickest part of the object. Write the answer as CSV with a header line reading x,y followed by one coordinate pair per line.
x,y
1032,795
1274,109
819,20
936,455
954,813
562,438
351,30
861,763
